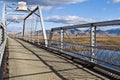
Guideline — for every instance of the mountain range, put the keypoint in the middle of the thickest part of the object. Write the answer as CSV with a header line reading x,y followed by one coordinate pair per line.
x,y
114,31
76,32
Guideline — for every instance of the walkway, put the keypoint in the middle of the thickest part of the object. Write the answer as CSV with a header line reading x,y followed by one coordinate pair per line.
x,y
27,62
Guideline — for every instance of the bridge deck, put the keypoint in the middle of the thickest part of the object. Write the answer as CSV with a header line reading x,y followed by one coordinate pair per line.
x,y
27,62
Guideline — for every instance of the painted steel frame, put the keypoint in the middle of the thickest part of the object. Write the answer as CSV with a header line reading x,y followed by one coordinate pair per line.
x,y
42,23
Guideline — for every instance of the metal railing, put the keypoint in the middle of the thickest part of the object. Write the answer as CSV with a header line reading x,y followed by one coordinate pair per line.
x,y
106,53
3,38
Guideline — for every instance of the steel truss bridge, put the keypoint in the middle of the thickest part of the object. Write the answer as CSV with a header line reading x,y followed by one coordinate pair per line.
x,y
86,47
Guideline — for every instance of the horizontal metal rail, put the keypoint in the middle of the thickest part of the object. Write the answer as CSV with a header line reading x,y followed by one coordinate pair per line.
x,y
104,23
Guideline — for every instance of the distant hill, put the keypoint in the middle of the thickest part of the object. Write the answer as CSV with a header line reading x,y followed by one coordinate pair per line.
x,y
68,32
76,32
114,31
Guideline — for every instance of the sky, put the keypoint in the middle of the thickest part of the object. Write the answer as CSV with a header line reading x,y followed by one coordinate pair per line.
x,y
59,13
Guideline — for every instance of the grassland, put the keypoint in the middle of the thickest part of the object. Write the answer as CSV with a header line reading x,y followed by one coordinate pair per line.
x,y
110,43
114,40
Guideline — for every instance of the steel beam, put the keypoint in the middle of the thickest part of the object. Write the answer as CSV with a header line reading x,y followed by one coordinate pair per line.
x,y
42,23
104,23
43,27
32,29
31,13
23,29
4,14
34,13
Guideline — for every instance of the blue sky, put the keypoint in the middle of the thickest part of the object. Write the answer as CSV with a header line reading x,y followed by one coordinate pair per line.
x,y
66,12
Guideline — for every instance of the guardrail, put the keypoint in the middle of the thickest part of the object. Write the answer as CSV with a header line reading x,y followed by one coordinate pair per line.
x,y
3,38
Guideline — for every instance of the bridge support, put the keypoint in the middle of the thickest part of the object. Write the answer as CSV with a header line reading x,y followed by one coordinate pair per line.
x,y
93,43
43,27
41,23
32,29
4,15
23,29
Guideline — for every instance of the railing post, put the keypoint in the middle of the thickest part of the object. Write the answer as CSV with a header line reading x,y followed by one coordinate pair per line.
x,y
61,39
93,42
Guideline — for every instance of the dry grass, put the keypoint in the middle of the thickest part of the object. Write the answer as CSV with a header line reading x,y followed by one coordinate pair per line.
x,y
76,49
113,41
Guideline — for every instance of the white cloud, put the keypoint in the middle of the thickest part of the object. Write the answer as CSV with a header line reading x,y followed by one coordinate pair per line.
x,y
48,2
54,2
116,1
59,8
46,7
105,9
16,19
68,19
1,1
42,7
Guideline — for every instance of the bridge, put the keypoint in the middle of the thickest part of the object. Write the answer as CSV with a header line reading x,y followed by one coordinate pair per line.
x,y
38,54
